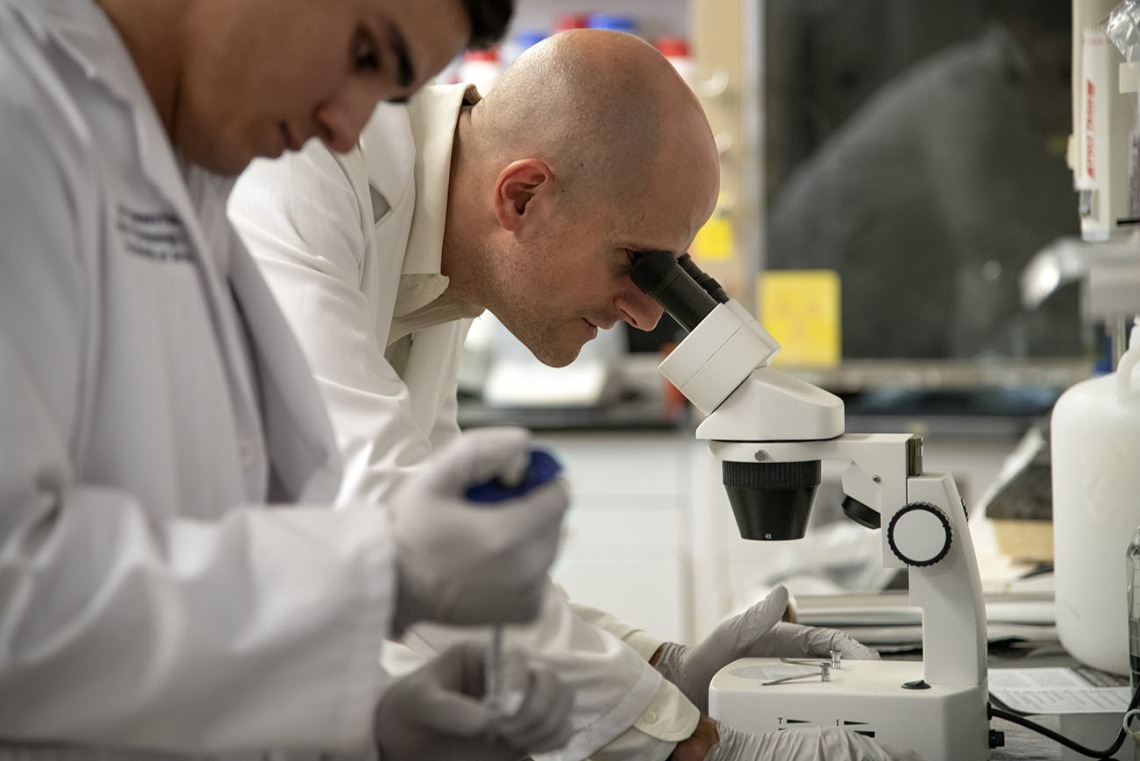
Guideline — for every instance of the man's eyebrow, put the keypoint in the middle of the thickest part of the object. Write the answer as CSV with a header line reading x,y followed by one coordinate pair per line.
x,y
406,70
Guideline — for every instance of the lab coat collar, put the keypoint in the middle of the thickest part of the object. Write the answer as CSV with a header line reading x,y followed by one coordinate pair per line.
x,y
86,34
389,153
434,114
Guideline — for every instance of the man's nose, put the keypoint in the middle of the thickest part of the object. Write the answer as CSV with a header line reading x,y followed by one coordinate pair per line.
x,y
638,308
341,118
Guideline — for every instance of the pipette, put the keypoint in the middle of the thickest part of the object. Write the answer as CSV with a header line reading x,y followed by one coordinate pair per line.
x,y
529,471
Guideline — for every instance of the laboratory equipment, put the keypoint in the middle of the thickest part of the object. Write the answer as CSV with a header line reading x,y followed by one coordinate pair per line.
x,y
516,379
1101,148
480,68
1096,508
612,21
770,431
1095,439
676,50
529,471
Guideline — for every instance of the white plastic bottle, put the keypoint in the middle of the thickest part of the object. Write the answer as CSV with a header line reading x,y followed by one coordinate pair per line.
x,y
480,68
1096,508
676,50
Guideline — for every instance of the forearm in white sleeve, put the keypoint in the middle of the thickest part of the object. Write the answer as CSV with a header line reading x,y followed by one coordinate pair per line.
x,y
258,630
121,625
641,641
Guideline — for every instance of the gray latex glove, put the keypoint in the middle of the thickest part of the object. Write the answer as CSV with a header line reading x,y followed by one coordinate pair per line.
x,y
435,713
809,744
461,562
756,633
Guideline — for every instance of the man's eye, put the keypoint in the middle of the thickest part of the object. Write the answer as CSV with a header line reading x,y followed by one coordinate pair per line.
x,y
364,53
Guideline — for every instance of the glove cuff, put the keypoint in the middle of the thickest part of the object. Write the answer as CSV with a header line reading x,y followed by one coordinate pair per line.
x,y
671,662
671,665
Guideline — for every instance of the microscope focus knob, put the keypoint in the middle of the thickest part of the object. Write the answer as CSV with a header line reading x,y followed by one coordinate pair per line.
x,y
920,534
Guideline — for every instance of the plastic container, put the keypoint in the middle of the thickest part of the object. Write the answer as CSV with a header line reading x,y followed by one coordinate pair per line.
x,y
566,21
450,73
480,68
676,50
613,22
1096,509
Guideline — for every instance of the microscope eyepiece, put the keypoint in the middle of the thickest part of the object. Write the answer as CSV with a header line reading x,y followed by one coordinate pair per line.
x,y
658,274
702,278
771,500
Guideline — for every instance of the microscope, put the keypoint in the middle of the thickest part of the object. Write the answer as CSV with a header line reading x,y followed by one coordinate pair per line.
x,y
771,431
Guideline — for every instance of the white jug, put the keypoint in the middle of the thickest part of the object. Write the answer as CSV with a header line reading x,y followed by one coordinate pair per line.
x,y
1096,508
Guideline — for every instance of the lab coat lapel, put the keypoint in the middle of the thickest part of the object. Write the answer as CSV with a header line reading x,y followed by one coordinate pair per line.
x,y
207,207
292,422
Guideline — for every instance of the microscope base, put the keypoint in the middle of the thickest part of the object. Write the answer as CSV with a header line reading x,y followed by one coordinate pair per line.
x,y
942,723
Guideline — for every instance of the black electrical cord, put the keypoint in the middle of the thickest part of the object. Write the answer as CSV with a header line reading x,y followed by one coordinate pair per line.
x,y
1100,755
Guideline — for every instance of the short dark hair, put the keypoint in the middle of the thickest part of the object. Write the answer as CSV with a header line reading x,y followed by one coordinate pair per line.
x,y
489,20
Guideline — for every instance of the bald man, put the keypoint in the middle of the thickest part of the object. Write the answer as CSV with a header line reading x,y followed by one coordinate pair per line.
x,y
529,203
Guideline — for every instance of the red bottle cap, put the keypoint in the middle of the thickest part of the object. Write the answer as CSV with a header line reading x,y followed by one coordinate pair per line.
x,y
491,54
570,21
674,47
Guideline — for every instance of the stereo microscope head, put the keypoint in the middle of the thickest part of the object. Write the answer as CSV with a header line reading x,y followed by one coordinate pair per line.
x,y
771,500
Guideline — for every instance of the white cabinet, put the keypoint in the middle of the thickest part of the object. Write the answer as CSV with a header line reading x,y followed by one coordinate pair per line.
x,y
626,548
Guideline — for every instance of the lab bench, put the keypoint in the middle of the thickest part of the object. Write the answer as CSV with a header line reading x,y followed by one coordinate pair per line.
x,y
1023,744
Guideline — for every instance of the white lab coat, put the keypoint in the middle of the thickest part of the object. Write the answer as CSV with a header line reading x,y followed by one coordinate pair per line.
x,y
351,245
151,400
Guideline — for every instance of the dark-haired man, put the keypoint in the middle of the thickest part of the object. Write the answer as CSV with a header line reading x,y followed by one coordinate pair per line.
x,y
172,580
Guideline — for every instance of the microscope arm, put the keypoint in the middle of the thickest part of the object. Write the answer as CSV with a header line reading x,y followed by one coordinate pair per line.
x,y
949,590
924,528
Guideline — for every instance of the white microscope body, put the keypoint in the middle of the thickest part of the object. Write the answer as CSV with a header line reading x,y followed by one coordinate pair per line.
x,y
937,707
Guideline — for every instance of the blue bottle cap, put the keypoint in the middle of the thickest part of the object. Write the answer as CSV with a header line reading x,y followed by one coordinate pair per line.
x,y
527,37
612,22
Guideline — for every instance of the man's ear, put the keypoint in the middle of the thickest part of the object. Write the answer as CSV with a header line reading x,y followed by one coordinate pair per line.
x,y
516,189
